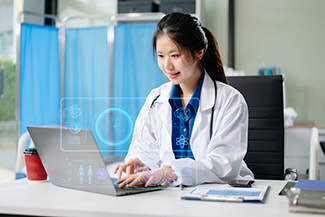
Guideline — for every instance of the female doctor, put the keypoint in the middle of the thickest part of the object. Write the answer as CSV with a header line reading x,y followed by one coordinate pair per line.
x,y
193,129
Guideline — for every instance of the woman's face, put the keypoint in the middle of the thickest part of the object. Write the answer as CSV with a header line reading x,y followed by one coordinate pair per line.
x,y
179,68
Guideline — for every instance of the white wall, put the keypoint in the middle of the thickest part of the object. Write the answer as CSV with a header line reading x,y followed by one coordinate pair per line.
x,y
214,16
287,34
36,6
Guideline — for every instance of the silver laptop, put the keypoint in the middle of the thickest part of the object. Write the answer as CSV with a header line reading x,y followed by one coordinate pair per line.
x,y
82,169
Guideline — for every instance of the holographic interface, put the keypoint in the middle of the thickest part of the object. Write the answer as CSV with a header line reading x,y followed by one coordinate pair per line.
x,y
82,173
111,122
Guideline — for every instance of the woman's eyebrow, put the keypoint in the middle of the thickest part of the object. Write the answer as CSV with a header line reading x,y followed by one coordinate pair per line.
x,y
172,51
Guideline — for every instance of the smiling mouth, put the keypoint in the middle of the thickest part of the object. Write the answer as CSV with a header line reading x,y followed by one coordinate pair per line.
x,y
174,75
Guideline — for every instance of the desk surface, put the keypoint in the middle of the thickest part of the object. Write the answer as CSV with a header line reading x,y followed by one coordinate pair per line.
x,y
45,199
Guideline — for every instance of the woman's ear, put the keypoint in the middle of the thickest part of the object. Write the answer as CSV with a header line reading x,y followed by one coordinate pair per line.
x,y
200,54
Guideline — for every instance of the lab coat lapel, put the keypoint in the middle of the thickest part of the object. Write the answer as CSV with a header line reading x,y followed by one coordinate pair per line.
x,y
164,111
201,128
164,115
207,92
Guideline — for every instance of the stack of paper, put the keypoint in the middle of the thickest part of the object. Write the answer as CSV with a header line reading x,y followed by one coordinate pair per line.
x,y
225,192
307,196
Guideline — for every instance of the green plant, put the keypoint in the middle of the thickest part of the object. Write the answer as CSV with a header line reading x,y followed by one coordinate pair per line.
x,y
7,104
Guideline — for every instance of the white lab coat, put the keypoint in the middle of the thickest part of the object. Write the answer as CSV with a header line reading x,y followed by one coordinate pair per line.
x,y
217,160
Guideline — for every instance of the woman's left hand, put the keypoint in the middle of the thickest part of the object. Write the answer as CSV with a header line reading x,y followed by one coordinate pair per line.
x,y
148,178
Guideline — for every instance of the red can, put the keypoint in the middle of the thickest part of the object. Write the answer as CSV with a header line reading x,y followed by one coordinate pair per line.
x,y
34,167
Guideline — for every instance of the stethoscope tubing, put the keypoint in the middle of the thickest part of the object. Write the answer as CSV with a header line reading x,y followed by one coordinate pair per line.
x,y
212,111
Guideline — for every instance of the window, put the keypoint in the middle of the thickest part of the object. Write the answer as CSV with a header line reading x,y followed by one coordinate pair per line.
x,y
7,104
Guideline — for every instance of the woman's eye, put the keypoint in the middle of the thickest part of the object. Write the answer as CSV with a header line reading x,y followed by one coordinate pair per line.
x,y
160,56
175,55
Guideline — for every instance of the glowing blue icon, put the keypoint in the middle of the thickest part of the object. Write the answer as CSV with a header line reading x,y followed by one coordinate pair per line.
x,y
73,140
74,111
183,114
74,128
89,174
182,141
113,126
81,173
102,173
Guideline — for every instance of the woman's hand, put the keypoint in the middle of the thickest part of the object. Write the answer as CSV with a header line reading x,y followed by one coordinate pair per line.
x,y
147,178
133,166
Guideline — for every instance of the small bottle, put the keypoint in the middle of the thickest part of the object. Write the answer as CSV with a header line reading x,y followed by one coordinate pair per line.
x,y
273,70
278,71
261,70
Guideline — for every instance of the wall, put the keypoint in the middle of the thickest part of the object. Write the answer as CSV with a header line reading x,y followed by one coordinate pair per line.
x,y
214,16
35,6
287,34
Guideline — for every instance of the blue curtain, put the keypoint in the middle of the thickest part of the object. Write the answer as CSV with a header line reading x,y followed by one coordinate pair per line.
x,y
110,115
39,76
86,62
135,74
135,69
91,100
87,80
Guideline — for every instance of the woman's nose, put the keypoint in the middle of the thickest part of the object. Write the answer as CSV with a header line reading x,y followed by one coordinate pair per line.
x,y
169,65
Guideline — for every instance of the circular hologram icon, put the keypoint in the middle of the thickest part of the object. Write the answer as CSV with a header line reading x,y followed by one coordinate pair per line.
x,y
113,126
74,127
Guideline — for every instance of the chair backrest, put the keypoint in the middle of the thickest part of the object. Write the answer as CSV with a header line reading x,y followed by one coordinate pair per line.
x,y
264,97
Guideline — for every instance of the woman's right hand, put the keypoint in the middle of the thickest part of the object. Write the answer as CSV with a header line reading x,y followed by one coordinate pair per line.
x,y
134,165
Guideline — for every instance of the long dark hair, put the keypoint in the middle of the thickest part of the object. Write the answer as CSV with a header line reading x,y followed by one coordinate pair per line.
x,y
190,36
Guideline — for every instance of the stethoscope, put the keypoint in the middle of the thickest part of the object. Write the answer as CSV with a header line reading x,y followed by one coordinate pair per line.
x,y
155,99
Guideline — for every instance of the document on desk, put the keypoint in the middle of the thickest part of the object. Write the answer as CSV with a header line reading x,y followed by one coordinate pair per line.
x,y
225,192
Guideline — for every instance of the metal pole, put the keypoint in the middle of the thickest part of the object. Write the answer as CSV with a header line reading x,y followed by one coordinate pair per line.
x,y
231,34
18,32
2,80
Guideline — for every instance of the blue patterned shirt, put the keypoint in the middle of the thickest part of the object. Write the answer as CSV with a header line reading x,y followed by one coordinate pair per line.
x,y
183,120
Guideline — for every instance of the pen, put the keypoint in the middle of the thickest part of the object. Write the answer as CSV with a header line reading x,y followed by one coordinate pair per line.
x,y
222,198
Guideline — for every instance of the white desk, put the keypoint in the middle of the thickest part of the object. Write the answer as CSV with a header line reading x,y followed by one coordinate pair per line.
x,y
45,199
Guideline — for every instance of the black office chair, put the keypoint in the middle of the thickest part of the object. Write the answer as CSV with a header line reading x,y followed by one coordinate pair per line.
x,y
264,97
322,145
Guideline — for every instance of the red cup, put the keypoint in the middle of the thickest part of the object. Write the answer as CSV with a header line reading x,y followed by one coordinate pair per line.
x,y
34,167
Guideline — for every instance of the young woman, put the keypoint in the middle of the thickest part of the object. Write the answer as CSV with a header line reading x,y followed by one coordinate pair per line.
x,y
193,129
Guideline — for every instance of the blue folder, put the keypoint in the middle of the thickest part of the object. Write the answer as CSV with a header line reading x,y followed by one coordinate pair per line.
x,y
310,184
